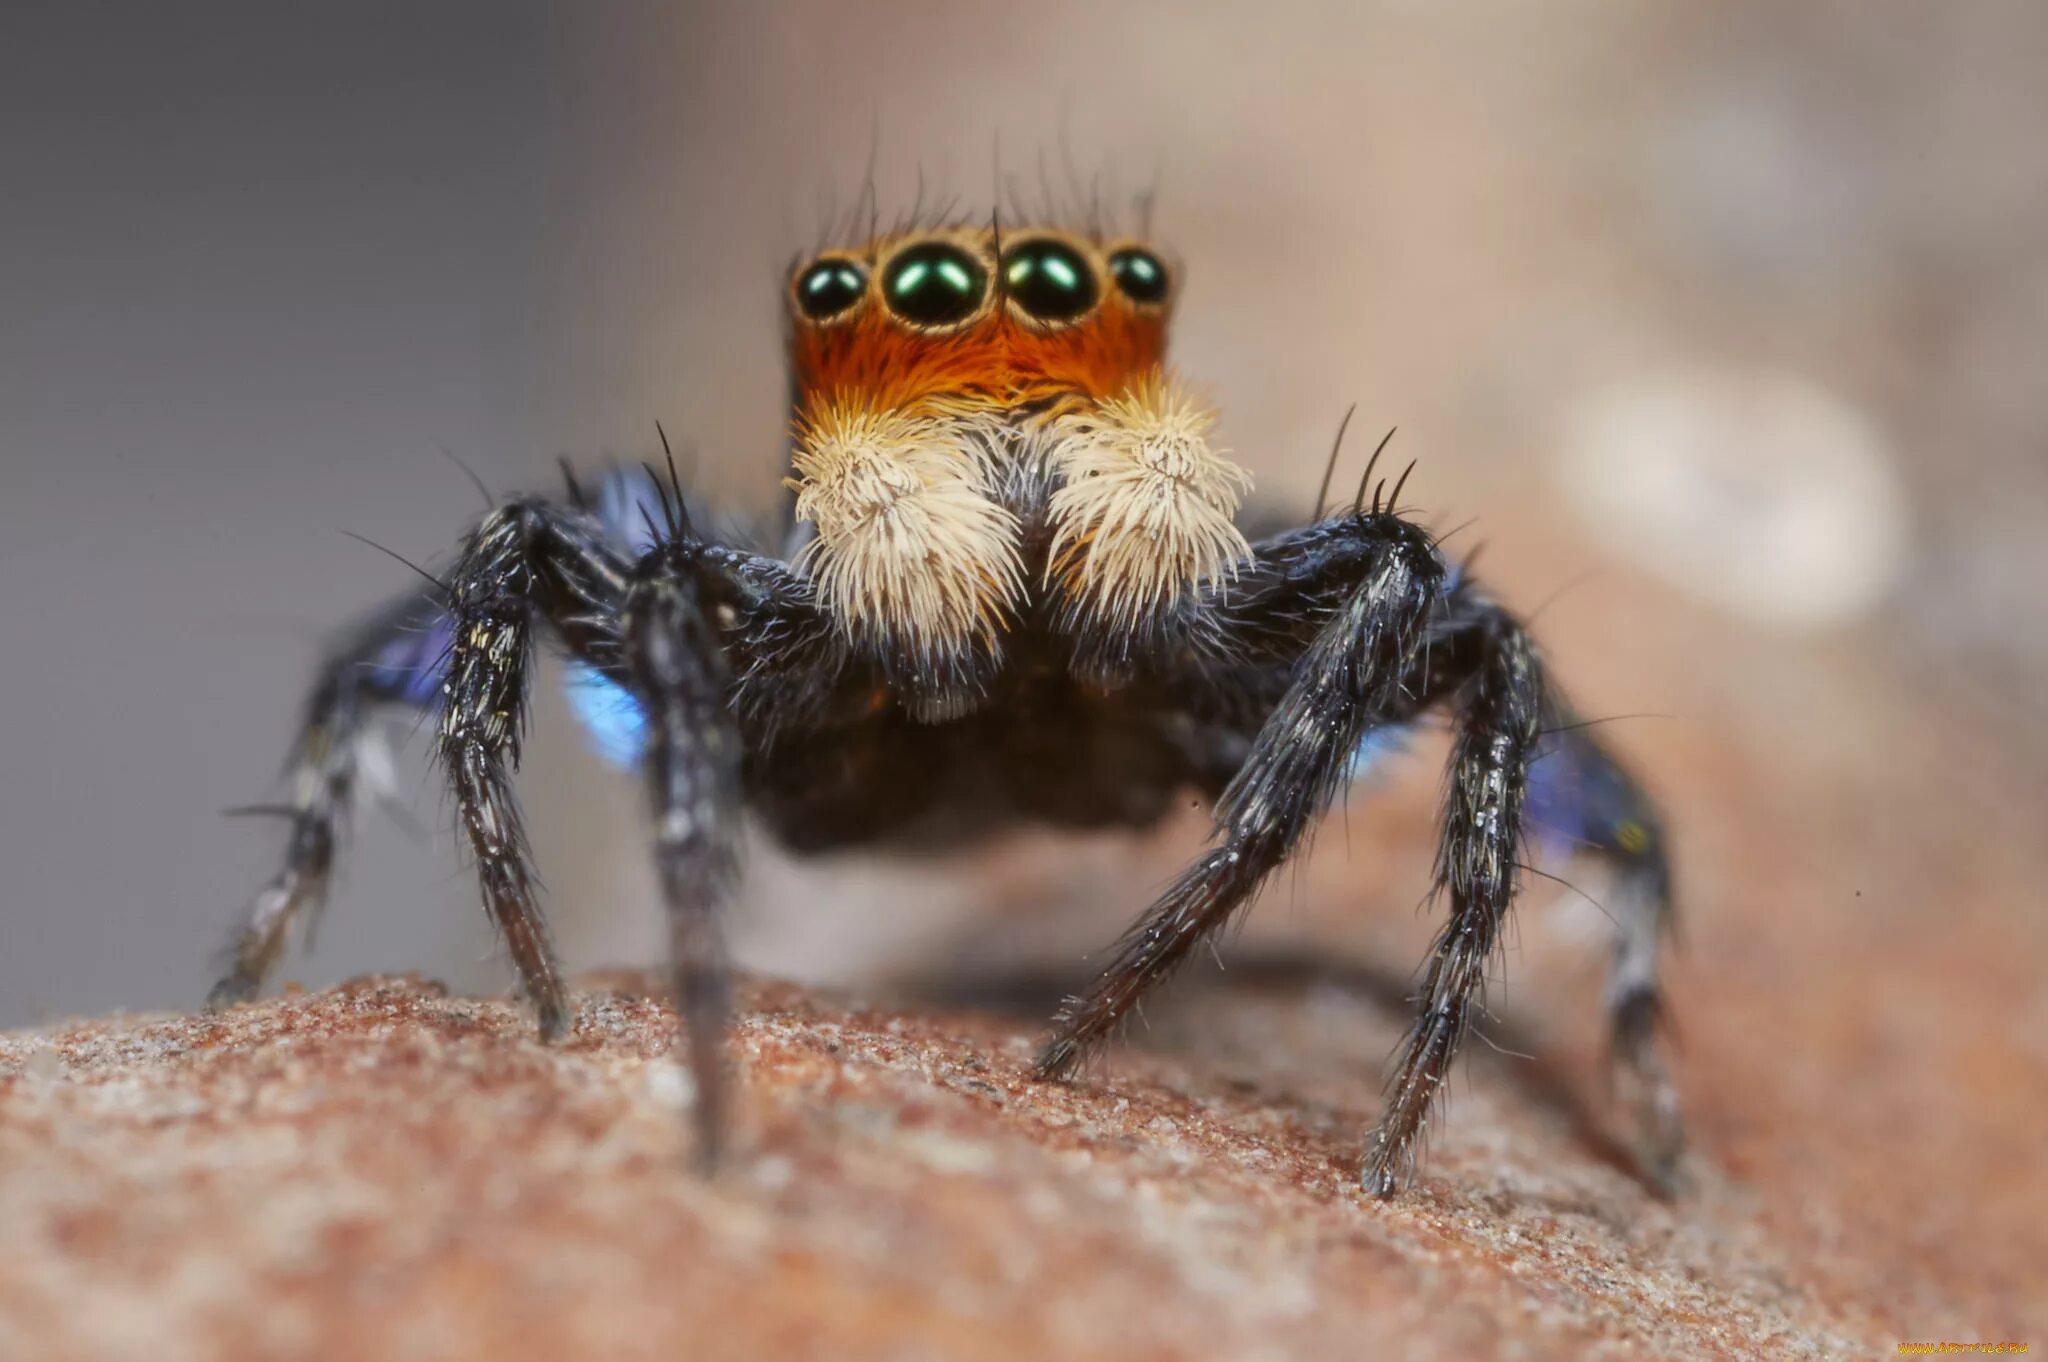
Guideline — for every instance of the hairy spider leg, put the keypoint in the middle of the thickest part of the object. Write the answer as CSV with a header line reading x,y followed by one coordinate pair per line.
x,y
1582,802
1404,635
392,660
1478,864
1348,682
525,558
396,662
635,615
691,765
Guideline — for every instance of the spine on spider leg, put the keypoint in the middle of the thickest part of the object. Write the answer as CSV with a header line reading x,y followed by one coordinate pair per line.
x,y
691,767
1478,868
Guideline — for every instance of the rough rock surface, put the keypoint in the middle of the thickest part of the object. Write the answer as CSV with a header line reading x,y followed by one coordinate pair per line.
x,y
384,1171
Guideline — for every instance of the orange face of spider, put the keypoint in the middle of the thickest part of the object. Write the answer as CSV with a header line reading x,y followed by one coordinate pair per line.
x,y
982,418
969,318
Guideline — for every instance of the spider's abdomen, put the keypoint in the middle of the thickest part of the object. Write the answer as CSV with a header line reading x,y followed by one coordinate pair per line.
x,y
1043,751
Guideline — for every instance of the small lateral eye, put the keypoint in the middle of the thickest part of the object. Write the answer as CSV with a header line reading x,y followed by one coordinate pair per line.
x,y
1049,279
1140,275
829,288
935,284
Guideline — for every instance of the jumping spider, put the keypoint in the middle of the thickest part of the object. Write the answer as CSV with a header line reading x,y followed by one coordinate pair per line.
x,y
1013,589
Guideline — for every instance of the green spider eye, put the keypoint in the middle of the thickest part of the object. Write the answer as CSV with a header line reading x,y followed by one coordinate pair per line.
x,y
829,288
1140,274
935,284
1049,279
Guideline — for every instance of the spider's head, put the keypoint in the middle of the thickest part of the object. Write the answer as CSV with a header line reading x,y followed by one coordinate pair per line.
x,y
976,318
983,413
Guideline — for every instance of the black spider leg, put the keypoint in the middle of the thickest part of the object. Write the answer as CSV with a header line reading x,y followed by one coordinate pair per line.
x,y
649,625
1371,583
708,637
676,666
1582,795
1392,636
1501,704
525,559
392,659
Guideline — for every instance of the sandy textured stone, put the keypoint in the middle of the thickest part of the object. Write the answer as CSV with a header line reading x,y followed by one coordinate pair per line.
x,y
384,1171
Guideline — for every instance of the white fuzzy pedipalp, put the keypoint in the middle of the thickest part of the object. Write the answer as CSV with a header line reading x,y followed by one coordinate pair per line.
x,y
1148,507
910,547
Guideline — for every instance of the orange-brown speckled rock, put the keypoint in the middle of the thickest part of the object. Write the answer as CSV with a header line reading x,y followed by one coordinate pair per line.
x,y
383,1171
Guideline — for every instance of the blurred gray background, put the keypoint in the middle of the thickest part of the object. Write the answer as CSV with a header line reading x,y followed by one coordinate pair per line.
x,y
1738,308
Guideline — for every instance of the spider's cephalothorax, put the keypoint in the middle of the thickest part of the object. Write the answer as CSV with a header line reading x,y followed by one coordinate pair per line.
x,y
1013,589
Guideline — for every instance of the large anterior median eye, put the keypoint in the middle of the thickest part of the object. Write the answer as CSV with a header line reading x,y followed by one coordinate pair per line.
x,y
1049,279
829,288
935,284
1140,274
